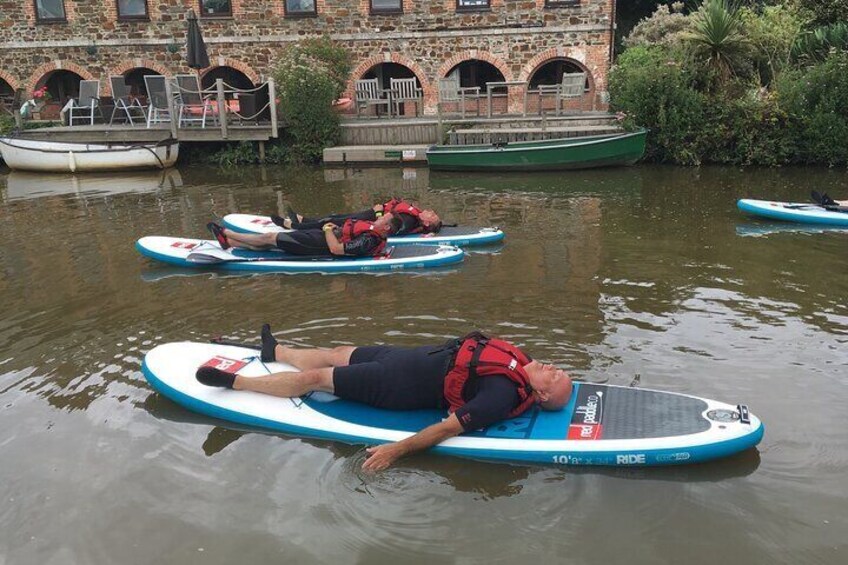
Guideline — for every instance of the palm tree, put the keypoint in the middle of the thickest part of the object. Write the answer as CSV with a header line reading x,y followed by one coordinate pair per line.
x,y
716,37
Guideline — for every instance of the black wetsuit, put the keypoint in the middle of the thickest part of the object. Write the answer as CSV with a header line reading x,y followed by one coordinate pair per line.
x,y
409,222
410,378
314,242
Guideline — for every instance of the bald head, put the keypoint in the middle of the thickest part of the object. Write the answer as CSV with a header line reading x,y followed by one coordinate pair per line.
x,y
552,386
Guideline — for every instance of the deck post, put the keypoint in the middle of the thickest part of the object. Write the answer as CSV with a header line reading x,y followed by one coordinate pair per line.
x,y
262,152
222,106
272,96
172,109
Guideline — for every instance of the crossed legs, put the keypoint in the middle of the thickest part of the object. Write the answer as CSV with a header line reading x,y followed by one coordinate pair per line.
x,y
254,241
316,370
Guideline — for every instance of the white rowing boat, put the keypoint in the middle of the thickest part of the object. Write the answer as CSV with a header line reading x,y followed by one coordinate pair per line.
x,y
64,157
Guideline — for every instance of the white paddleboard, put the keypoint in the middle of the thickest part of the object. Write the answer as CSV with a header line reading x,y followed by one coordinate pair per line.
x,y
180,251
601,425
461,236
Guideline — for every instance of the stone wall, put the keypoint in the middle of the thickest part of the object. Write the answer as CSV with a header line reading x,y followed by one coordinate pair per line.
x,y
430,37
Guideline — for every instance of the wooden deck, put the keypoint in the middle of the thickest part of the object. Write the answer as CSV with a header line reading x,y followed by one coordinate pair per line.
x,y
430,129
105,133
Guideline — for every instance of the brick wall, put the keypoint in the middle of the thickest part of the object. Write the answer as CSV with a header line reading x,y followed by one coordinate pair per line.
x,y
429,37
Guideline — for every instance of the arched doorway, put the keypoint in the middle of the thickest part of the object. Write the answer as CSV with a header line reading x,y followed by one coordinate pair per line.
x,y
232,77
7,95
242,100
476,73
62,85
134,78
385,72
550,74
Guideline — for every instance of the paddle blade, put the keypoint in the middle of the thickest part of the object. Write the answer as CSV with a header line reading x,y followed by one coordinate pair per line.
x,y
210,256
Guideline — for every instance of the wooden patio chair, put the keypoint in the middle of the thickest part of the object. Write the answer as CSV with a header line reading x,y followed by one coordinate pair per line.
x,y
451,93
406,90
159,107
194,106
83,107
573,85
368,93
125,102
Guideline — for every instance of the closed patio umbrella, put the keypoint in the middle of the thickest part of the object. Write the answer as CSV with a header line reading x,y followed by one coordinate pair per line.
x,y
196,56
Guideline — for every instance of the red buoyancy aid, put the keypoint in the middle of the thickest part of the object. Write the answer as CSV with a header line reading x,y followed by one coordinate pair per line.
x,y
398,206
354,228
480,356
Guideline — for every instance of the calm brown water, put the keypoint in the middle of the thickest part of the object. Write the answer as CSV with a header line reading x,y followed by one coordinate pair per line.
x,y
643,270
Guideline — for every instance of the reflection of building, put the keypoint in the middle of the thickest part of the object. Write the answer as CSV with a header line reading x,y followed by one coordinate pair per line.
x,y
52,42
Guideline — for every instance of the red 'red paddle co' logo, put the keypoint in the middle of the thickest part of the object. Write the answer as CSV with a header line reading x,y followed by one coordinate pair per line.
x,y
587,422
224,364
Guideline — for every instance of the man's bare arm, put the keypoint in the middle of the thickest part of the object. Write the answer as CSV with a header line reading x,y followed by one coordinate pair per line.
x,y
381,456
336,246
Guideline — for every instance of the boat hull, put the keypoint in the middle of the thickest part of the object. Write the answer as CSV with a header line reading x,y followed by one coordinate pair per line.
x,y
549,155
61,157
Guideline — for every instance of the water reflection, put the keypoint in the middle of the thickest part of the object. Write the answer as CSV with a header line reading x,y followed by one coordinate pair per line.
x,y
771,228
21,185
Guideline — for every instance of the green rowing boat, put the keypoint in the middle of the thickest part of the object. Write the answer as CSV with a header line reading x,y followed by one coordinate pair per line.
x,y
547,155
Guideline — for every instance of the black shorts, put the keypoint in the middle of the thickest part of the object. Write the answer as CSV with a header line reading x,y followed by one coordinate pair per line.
x,y
303,242
396,378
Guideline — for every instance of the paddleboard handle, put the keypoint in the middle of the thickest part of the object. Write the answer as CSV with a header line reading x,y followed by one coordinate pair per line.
x,y
744,415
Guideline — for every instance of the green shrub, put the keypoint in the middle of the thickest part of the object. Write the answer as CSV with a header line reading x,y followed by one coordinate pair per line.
x,y
7,123
815,45
817,97
664,27
825,12
233,155
771,33
311,74
748,130
652,87
716,39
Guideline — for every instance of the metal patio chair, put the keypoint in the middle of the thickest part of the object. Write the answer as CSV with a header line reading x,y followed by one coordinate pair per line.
x,y
159,107
125,102
84,106
194,106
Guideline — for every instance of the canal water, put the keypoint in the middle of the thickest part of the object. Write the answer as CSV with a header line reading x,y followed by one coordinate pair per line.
x,y
643,276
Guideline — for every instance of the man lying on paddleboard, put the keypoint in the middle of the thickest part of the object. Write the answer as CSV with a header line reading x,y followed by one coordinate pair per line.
x,y
414,219
354,238
479,380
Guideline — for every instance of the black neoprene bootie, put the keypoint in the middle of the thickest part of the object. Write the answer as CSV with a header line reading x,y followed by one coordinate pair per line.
x,y
210,376
218,232
269,345
278,220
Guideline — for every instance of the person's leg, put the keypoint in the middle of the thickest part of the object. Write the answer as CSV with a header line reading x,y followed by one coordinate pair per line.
x,y
256,241
306,359
282,384
288,385
303,359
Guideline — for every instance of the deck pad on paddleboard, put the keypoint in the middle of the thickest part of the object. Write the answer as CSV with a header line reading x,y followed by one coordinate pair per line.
x,y
601,425
793,212
452,235
176,251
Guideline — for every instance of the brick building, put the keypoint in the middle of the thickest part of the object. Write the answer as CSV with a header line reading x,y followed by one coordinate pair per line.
x,y
57,43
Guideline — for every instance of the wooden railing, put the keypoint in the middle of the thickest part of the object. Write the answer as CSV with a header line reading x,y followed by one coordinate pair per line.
x,y
221,94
